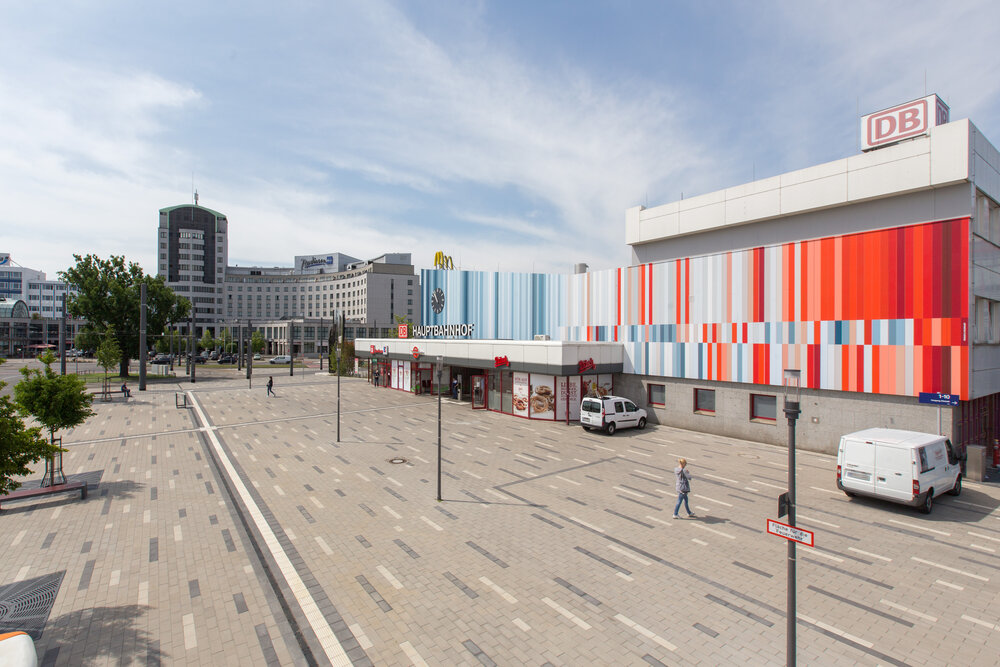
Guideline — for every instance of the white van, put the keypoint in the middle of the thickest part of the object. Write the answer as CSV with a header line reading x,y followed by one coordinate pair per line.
x,y
610,413
902,466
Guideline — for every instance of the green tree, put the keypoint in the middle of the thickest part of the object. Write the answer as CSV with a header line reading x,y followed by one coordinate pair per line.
x,y
108,353
256,342
108,296
344,362
20,446
400,319
55,401
207,342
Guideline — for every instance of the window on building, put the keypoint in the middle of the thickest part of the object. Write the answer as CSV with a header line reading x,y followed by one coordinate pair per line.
x,y
704,401
657,394
763,408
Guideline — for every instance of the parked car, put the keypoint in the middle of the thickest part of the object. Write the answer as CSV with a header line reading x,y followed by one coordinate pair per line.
x,y
213,355
280,359
227,359
161,359
256,357
901,466
198,359
610,413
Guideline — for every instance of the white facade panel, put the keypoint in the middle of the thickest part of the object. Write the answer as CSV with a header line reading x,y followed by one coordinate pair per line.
x,y
885,178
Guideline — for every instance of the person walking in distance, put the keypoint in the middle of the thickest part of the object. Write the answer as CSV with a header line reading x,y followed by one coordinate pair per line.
x,y
683,487
270,386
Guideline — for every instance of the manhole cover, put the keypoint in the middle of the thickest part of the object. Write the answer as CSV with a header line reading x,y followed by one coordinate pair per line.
x,y
398,460
26,605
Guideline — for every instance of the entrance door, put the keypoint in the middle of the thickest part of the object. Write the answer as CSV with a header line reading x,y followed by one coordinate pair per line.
x,y
493,399
478,392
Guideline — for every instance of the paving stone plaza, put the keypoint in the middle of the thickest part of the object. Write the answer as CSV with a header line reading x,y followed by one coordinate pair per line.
x,y
237,530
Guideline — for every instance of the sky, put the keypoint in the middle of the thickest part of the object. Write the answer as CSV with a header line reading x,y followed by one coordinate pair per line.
x,y
509,134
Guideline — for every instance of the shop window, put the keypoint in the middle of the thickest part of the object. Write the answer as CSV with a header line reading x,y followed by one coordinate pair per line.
x,y
704,401
763,408
657,394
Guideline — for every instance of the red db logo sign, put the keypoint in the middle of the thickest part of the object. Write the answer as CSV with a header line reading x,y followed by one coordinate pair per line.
x,y
902,122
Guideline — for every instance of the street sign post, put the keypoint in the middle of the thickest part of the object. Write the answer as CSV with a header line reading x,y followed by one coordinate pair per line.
x,y
783,504
792,533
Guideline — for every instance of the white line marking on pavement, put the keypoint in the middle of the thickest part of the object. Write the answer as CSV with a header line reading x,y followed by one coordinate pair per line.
x,y
144,592
751,489
497,494
127,508
568,480
713,530
149,474
360,635
817,552
588,525
631,493
623,576
178,535
773,486
324,633
278,490
713,500
817,488
190,638
986,624
629,554
412,654
499,591
724,479
920,528
697,541
484,451
422,460
979,546
521,624
392,512
388,576
949,569
955,586
291,535
22,573
393,481
283,468
20,536
146,516
324,546
648,474
814,520
115,577
505,438
581,461
316,502
632,451
471,474
335,471
649,634
55,513
836,631
900,607
253,458
362,477
554,458
604,448
985,537
568,614
412,448
868,553
171,484
653,518
982,507
431,523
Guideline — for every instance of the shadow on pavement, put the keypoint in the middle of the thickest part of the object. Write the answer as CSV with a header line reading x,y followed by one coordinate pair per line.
x,y
106,635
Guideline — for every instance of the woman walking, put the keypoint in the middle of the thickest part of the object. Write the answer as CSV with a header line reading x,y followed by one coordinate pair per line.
x,y
683,487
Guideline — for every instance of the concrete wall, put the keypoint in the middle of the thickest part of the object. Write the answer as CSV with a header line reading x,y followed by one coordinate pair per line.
x,y
826,415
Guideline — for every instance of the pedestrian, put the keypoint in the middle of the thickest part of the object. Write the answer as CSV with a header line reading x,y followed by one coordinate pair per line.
x,y
683,487
454,388
376,378
270,386
126,392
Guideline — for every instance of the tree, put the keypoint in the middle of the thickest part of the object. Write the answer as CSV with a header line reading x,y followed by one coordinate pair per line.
x,y
56,401
207,342
108,296
20,446
344,362
256,342
400,319
108,353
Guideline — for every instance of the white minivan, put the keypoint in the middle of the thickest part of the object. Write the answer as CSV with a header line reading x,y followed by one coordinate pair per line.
x,y
902,466
610,413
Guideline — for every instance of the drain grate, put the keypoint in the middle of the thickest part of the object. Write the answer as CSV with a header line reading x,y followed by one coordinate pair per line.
x,y
397,460
25,606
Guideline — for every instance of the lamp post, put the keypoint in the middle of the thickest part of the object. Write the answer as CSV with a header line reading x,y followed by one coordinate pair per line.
x,y
440,369
792,378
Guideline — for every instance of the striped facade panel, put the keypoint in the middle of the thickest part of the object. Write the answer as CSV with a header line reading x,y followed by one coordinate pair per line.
x,y
882,312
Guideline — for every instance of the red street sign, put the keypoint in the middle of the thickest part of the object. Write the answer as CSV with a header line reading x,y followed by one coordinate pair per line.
x,y
402,331
792,533
500,361
416,352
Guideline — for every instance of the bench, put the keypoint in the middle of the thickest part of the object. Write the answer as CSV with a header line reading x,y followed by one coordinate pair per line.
x,y
21,494
108,395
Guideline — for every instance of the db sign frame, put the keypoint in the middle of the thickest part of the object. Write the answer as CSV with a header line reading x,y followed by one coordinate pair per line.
x,y
800,535
903,121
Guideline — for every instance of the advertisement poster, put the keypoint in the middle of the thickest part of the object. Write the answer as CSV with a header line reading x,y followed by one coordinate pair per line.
x,y
604,385
397,375
574,398
520,394
407,380
542,402
562,392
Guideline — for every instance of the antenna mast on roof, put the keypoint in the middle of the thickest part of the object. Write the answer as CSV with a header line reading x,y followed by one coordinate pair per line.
x,y
195,197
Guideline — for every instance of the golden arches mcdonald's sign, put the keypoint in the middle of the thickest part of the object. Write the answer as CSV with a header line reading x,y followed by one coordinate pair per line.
x,y
443,261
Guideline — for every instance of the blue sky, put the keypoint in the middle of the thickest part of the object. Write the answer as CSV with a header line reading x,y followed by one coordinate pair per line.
x,y
508,134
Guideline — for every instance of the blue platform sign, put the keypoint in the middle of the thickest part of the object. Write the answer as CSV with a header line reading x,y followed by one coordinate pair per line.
x,y
938,399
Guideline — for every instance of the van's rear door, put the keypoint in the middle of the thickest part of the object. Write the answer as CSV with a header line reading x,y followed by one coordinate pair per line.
x,y
893,471
858,458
